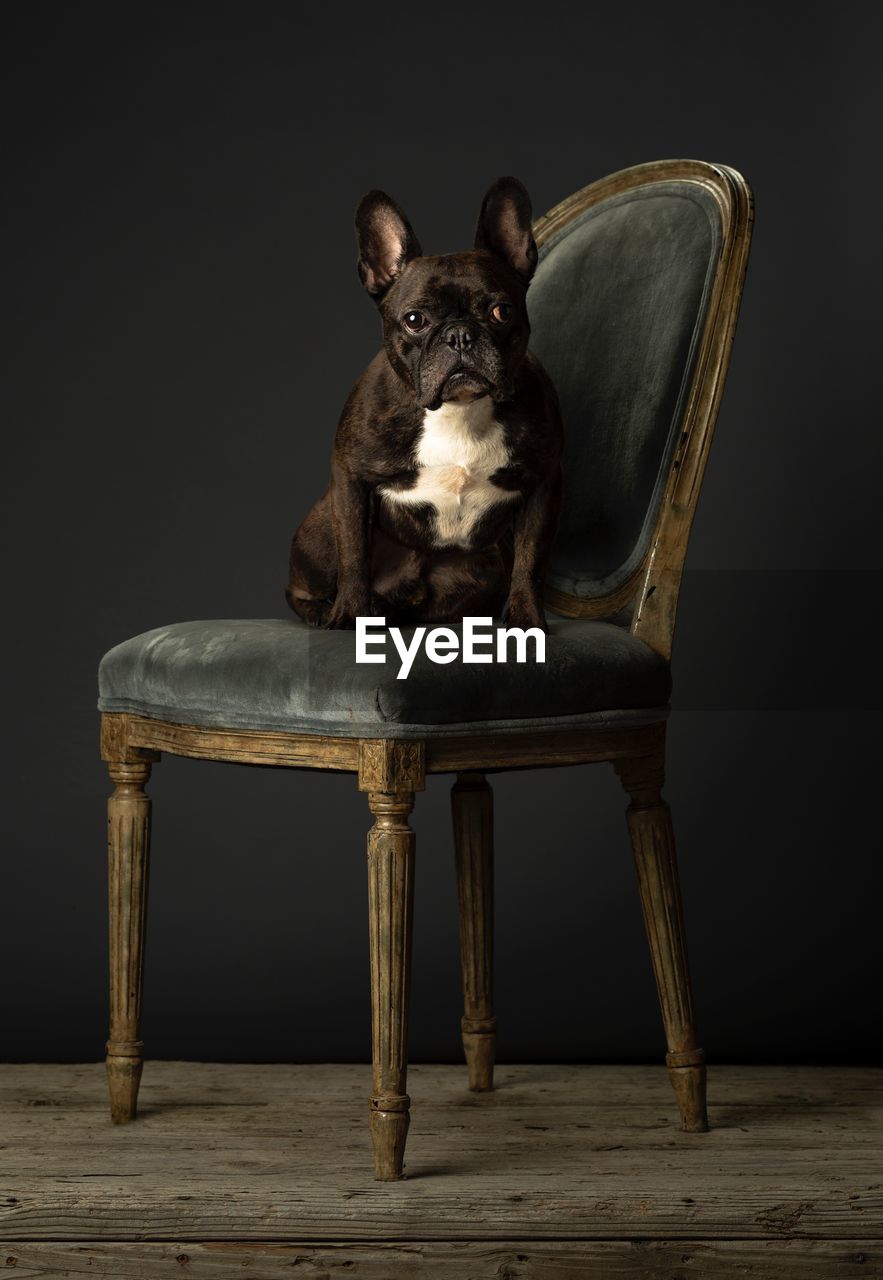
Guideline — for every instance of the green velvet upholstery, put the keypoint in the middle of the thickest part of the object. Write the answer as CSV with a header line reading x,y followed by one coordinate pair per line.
x,y
616,306
276,674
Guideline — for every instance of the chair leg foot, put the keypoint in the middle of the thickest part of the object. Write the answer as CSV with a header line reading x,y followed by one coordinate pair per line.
x,y
472,805
480,1047
389,1132
123,1079
689,1086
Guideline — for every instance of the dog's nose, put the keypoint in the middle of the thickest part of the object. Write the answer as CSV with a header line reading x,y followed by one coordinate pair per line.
x,y
459,337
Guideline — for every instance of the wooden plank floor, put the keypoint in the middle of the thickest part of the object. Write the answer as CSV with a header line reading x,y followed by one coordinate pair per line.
x,y
561,1172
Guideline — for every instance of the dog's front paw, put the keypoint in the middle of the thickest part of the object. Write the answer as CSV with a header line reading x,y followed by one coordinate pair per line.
x,y
524,610
345,611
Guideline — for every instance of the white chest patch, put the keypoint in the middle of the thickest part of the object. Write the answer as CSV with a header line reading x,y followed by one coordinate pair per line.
x,y
458,450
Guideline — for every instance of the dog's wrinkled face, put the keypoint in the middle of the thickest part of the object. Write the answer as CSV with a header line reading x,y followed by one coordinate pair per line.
x,y
455,326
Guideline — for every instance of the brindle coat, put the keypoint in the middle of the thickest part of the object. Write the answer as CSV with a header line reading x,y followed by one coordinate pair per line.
x,y
455,329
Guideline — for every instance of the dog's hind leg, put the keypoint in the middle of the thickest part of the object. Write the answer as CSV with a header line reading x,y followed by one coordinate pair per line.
x,y
312,576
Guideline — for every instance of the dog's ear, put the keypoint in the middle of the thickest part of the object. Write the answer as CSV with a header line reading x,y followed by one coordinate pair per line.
x,y
386,242
504,226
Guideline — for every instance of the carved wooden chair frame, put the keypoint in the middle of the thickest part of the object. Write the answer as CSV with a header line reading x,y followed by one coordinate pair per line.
x,y
391,770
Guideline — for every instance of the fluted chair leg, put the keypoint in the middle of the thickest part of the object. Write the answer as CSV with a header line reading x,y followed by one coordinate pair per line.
x,y
652,836
472,803
128,820
390,910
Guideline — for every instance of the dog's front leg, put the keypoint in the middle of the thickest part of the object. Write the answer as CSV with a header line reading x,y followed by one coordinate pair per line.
x,y
350,507
535,529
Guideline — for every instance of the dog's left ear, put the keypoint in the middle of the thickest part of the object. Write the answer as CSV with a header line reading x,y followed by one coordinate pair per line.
x,y
504,226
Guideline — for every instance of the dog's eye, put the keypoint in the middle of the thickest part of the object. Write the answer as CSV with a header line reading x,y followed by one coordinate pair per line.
x,y
414,321
501,312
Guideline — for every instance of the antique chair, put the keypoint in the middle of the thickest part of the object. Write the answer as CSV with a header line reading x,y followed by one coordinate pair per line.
x,y
633,308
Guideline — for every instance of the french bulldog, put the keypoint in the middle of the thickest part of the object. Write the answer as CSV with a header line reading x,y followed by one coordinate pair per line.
x,y
445,474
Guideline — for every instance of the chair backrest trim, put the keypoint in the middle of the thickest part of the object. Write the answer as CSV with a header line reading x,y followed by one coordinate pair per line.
x,y
654,584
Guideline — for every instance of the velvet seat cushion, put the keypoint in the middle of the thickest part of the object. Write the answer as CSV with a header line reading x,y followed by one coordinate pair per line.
x,y
280,674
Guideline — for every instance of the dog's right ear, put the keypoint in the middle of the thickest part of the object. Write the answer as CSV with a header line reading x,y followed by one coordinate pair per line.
x,y
386,242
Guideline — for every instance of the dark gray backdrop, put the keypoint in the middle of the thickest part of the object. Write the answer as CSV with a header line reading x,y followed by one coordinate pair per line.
x,y
185,322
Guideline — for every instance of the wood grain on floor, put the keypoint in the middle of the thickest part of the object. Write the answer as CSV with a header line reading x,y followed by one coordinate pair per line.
x,y
561,1172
